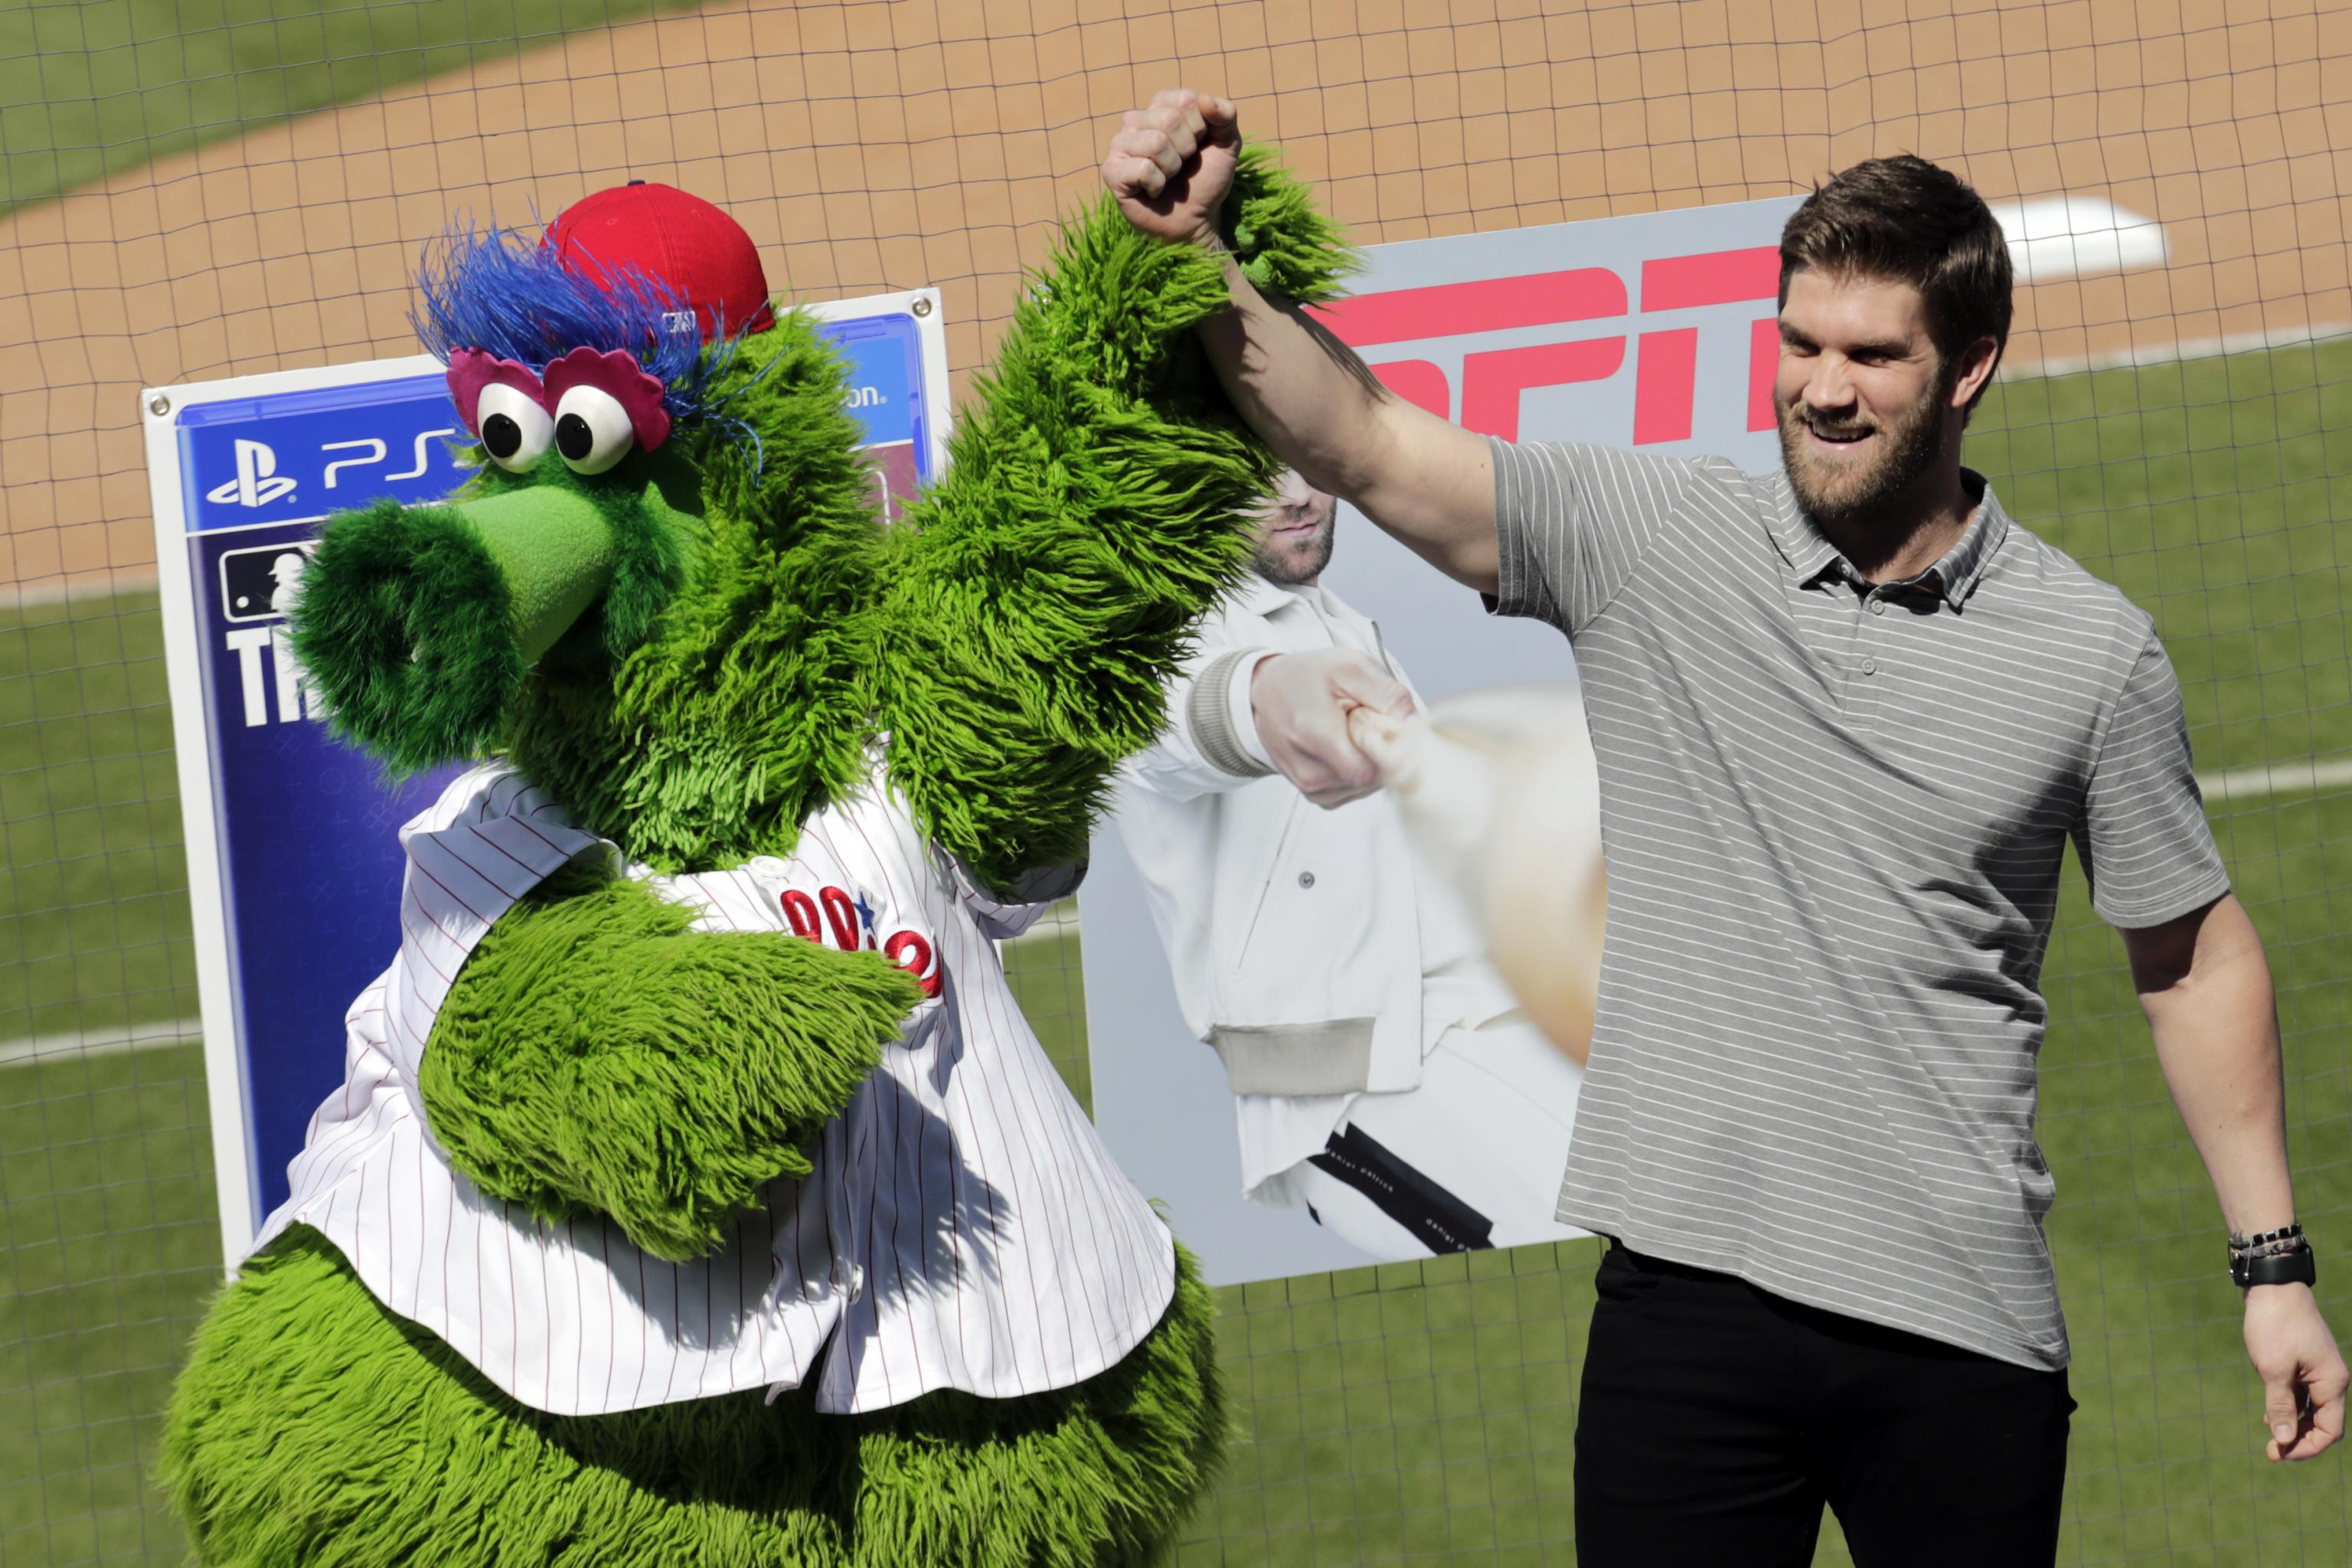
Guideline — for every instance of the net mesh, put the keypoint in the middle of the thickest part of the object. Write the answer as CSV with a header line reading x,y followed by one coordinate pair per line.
x,y
199,188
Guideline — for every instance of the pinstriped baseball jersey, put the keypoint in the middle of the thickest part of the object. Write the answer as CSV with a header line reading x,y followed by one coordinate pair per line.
x,y
964,1227
1835,814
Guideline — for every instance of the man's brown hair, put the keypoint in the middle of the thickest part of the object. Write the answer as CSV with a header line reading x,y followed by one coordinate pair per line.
x,y
1906,220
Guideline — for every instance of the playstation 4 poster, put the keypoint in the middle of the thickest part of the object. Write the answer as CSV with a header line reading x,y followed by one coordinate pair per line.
x,y
294,856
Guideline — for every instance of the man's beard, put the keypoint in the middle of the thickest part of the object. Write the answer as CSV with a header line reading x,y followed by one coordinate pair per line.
x,y
1288,568
1910,446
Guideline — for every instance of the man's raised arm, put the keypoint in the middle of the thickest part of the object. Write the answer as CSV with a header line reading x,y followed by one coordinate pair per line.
x,y
1428,482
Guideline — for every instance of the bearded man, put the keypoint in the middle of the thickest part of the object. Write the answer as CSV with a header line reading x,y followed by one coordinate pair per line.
x,y
1847,717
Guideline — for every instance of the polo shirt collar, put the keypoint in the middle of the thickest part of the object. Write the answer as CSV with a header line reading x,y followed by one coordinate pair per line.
x,y
1966,562
1800,540
1810,553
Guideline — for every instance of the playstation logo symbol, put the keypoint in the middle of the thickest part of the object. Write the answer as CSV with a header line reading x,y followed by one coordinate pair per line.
x,y
255,484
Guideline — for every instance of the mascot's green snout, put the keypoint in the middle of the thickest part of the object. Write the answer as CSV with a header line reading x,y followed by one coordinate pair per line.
x,y
430,616
697,1194
425,620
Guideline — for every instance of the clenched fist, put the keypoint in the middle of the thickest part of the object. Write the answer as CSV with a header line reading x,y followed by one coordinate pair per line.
x,y
1300,703
1170,164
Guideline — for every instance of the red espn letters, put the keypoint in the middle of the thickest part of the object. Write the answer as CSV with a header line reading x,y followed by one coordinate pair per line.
x,y
1665,364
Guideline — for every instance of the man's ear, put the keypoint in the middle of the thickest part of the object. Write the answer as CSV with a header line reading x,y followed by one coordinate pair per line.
x,y
1974,372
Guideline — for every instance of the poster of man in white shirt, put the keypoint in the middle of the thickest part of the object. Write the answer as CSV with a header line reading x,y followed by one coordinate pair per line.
x,y
1387,1085
1262,975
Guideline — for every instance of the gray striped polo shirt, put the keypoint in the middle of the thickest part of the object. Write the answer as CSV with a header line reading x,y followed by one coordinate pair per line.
x,y
1834,814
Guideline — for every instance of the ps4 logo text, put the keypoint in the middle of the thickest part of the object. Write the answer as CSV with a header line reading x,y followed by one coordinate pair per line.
x,y
258,481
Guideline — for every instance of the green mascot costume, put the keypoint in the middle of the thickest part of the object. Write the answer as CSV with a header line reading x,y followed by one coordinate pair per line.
x,y
697,1194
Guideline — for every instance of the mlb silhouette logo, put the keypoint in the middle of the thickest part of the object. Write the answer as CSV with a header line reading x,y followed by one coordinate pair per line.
x,y
260,584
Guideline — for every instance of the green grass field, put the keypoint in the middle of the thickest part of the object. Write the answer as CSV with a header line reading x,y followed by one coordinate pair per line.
x,y
1414,1412
91,87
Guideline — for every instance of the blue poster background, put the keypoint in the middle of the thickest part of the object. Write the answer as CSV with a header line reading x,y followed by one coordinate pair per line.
x,y
307,829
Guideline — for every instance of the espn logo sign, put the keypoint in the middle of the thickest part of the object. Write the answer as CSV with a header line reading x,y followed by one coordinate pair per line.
x,y
1665,356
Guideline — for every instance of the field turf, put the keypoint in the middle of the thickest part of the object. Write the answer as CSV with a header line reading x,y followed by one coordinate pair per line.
x,y
91,87
1417,1412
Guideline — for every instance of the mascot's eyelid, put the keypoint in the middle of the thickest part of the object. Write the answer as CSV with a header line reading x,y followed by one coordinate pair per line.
x,y
471,370
617,372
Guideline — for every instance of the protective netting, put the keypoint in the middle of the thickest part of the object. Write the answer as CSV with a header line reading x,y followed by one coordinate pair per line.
x,y
200,188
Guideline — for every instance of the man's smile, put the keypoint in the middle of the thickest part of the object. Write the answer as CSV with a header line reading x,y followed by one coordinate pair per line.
x,y
1837,437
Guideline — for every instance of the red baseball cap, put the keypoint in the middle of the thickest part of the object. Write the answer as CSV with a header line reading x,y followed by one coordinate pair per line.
x,y
674,239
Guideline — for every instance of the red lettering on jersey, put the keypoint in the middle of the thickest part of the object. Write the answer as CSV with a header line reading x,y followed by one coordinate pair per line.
x,y
843,916
799,913
911,952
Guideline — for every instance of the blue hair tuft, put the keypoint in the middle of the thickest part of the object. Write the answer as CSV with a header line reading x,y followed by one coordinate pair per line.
x,y
510,298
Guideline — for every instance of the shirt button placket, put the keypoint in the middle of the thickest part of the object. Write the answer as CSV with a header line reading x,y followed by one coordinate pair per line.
x,y
1864,706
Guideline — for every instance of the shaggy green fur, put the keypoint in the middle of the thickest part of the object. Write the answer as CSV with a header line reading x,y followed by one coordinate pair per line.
x,y
1085,523
1287,245
760,632
596,1054
314,1429
739,711
407,629
1011,643
411,628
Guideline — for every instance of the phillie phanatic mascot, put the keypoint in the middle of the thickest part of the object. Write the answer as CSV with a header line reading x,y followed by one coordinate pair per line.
x,y
697,1194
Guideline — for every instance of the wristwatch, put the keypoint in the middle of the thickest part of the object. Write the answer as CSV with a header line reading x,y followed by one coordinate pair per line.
x,y
2282,1257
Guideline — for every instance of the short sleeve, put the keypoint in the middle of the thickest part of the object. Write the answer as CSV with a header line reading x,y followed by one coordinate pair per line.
x,y
2146,847
1573,521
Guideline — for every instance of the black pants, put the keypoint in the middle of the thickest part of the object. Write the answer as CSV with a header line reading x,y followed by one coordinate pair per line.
x,y
1716,1420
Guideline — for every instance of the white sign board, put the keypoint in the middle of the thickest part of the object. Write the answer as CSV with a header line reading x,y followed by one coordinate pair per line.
x,y
293,865
1655,332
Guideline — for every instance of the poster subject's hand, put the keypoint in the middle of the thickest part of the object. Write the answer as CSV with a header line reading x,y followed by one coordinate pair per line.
x,y
1170,164
1300,702
2302,1373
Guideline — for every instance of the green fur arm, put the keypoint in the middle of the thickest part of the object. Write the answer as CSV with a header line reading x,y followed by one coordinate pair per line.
x,y
1087,518
596,1054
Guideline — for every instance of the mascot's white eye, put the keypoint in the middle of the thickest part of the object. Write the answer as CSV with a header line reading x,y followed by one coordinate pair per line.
x,y
515,429
593,430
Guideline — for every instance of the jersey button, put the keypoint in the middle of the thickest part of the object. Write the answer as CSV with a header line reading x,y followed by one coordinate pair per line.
x,y
1877,607
1306,878
1870,666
